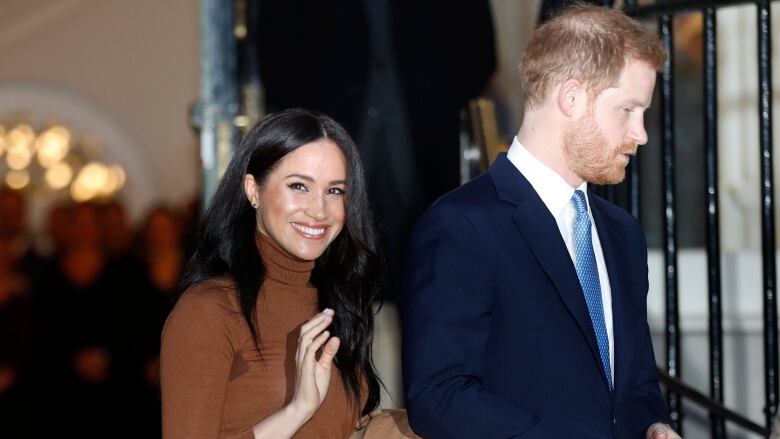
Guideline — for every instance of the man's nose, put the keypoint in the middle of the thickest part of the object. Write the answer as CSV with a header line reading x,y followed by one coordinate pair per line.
x,y
638,133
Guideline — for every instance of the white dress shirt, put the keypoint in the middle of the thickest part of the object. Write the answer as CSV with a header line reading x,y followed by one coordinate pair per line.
x,y
556,194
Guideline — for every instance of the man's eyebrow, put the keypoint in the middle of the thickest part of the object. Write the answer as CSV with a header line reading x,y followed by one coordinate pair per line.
x,y
633,102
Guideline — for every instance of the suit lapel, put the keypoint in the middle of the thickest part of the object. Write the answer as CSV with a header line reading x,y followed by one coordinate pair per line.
x,y
615,250
540,231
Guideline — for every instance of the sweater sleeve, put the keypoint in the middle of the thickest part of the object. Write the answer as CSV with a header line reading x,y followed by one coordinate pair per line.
x,y
199,342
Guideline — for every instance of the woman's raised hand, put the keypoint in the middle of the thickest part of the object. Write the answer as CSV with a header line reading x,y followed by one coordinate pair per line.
x,y
312,379
313,374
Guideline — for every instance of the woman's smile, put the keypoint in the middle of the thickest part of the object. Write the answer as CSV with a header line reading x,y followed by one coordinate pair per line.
x,y
316,231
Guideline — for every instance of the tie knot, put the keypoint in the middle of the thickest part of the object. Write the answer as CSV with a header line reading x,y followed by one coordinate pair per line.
x,y
579,202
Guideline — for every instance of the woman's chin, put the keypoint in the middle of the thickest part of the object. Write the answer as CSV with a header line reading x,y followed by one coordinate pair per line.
x,y
308,251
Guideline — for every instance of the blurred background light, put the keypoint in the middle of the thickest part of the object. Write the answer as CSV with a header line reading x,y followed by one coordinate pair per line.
x,y
53,145
21,137
17,179
59,176
61,161
18,157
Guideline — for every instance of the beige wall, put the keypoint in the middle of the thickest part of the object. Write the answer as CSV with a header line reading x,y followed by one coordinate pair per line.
x,y
135,60
513,23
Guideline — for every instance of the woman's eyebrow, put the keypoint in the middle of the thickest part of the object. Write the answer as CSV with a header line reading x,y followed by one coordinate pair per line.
x,y
311,179
301,176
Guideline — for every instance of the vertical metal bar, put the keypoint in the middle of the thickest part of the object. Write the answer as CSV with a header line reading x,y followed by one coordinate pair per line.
x,y
629,7
767,209
252,99
673,351
717,424
215,112
633,186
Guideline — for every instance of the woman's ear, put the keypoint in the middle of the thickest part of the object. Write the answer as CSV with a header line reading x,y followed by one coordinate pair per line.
x,y
251,190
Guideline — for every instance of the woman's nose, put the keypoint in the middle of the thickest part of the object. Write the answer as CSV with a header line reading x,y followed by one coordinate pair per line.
x,y
316,208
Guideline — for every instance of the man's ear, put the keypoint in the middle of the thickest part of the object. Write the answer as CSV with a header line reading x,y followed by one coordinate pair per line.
x,y
572,98
251,189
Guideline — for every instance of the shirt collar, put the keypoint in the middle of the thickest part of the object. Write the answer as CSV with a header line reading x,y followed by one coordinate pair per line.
x,y
554,191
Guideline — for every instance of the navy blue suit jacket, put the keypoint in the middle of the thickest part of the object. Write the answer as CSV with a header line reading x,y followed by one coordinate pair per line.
x,y
497,339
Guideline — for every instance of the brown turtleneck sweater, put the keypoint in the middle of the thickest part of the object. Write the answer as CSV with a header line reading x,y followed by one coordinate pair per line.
x,y
214,382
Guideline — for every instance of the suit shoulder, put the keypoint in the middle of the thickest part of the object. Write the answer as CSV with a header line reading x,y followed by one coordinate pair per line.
x,y
473,193
462,212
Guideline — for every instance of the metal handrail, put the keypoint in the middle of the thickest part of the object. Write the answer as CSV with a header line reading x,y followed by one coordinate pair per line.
x,y
708,403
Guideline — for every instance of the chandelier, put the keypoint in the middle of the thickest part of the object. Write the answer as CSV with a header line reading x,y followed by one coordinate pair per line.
x,y
53,160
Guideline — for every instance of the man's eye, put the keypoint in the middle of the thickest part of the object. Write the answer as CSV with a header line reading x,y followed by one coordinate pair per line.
x,y
298,187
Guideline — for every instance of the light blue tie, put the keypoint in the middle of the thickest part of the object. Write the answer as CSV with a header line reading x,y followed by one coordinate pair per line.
x,y
587,271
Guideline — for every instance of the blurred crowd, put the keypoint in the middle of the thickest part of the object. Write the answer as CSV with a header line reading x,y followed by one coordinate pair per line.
x,y
81,311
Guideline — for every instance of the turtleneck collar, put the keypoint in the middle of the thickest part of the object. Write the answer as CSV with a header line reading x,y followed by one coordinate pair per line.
x,y
281,266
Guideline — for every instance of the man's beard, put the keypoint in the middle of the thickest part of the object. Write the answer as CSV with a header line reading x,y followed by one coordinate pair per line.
x,y
589,156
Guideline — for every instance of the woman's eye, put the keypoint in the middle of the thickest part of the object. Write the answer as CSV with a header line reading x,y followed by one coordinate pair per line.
x,y
298,187
336,191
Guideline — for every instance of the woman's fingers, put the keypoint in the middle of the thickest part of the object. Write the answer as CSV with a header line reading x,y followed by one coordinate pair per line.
x,y
313,376
314,346
329,351
315,326
318,318
311,329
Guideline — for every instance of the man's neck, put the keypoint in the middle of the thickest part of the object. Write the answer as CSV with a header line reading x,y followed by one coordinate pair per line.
x,y
544,139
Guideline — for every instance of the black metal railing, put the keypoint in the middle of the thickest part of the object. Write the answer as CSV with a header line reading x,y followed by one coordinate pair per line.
x,y
717,426
673,351
767,208
714,407
671,376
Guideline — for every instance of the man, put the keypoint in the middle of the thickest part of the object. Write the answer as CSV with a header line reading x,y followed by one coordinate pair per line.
x,y
525,314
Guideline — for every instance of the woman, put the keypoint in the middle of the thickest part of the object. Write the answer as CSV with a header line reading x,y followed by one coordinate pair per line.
x,y
272,336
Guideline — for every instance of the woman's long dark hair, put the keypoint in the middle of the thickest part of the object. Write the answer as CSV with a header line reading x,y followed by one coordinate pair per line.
x,y
347,274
